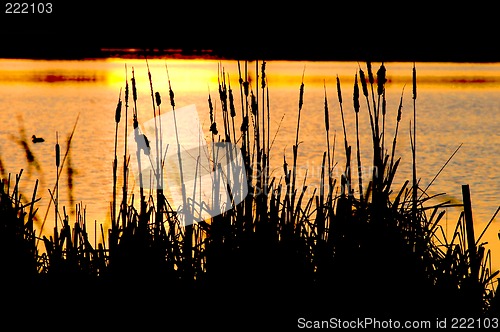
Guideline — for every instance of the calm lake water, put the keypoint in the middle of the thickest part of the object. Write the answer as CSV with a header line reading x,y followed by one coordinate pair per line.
x,y
456,104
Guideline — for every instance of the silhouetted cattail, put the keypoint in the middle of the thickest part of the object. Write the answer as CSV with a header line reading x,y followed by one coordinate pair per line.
x,y
245,88
136,123
327,122
400,108
210,108
231,102
263,74
213,128
339,91
370,72
134,89
118,111
414,81
126,94
254,103
171,95
384,105
355,95
363,82
301,95
381,79
158,98
244,124
58,155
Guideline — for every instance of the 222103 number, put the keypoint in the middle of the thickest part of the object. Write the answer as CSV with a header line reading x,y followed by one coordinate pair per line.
x,y
28,8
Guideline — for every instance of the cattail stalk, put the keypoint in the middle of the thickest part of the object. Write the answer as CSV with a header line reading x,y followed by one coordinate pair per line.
x,y
115,161
355,99
398,120
296,146
346,145
125,164
327,129
138,152
58,163
414,144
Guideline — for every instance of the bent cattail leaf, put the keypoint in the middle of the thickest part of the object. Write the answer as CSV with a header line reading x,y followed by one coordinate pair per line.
x,y
355,95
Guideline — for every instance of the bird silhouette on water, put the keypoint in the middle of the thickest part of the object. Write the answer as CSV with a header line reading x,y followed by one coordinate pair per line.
x,y
35,139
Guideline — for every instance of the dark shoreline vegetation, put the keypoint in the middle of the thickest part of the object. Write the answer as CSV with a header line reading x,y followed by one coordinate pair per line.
x,y
350,250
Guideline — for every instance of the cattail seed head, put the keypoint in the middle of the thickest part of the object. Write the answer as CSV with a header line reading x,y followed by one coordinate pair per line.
x,y
134,89
414,81
245,87
381,79
384,105
210,108
126,94
58,155
136,123
339,91
355,95
370,72
327,118
244,124
301,95
263,74
231,103
118,111
213,128
254,104
171,95
400,108
158,98
364,86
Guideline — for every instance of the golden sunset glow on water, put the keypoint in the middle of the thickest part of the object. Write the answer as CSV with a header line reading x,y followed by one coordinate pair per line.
x,y
456,109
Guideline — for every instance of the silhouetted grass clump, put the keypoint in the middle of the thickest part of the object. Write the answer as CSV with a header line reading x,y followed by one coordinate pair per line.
x,y
280,254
